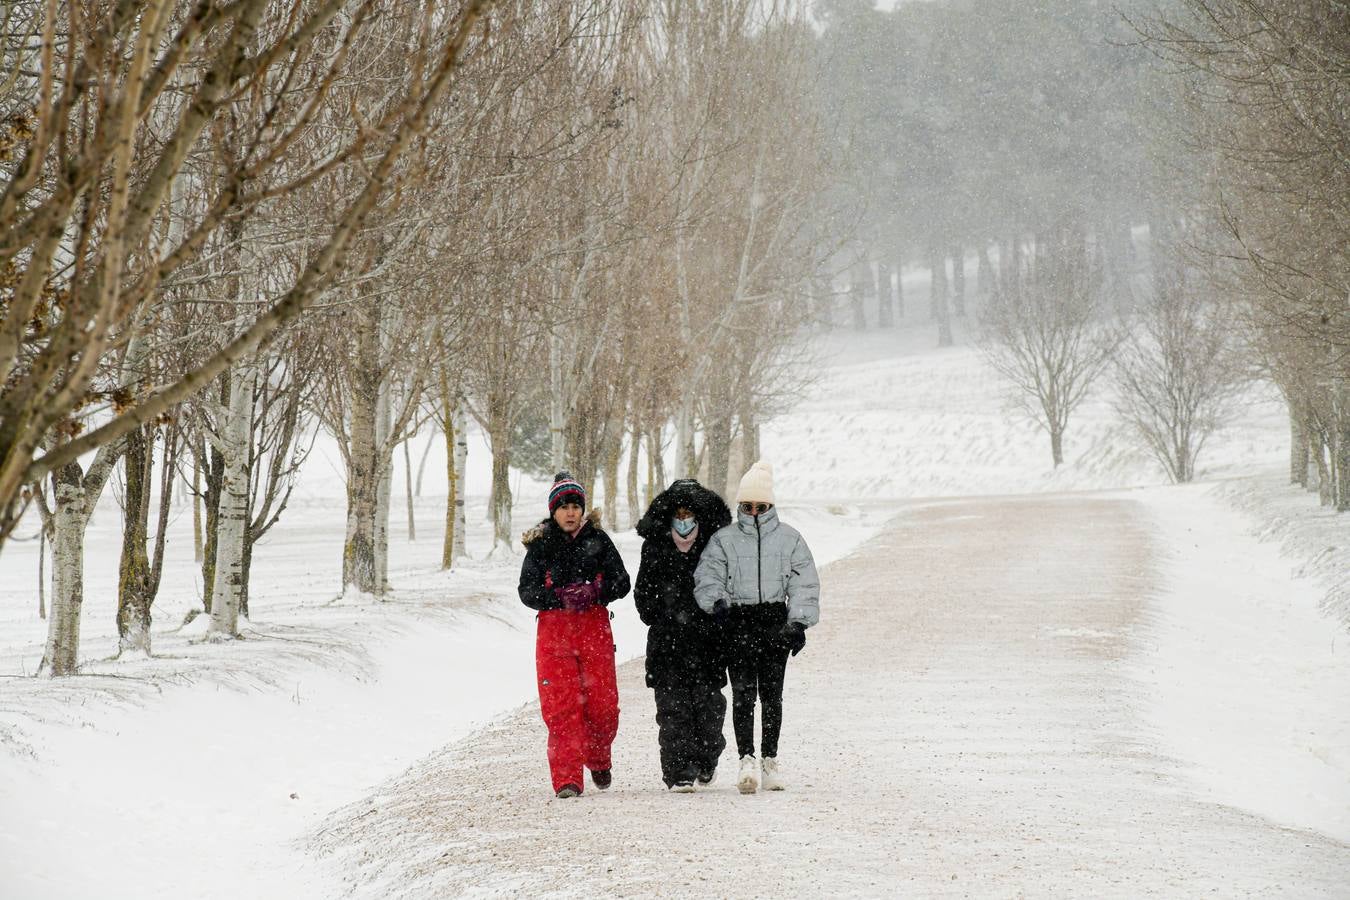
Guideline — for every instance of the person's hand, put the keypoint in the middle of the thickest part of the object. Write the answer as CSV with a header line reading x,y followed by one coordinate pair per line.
x,y
579,596
793,636
721,610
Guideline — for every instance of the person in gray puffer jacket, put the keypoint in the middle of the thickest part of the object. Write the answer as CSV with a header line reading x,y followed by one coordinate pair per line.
x,y
757,575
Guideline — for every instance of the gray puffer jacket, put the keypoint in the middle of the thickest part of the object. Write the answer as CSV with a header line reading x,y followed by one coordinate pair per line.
x,y
747,563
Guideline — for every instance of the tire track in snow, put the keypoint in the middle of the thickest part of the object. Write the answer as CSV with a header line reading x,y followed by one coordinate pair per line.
x,y
962,723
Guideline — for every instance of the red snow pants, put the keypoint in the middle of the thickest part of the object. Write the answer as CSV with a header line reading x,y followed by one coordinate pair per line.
x,y
578,693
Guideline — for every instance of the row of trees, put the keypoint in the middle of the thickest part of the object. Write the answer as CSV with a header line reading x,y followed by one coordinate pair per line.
x,y
223,225
1267,87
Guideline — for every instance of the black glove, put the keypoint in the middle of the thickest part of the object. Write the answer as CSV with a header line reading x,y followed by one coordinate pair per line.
x,y
793,636
721,609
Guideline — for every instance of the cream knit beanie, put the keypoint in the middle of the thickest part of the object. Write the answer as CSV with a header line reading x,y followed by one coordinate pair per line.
x,y
756,484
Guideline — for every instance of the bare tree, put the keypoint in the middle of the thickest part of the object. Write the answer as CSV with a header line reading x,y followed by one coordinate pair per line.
x,y
1044,334
1177,373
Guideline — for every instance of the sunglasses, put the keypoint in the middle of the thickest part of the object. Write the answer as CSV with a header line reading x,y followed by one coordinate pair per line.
x,y
754,509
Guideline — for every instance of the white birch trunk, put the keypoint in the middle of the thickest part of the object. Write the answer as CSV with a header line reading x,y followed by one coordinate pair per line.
x,y
75,496
232,520
69,519
461,420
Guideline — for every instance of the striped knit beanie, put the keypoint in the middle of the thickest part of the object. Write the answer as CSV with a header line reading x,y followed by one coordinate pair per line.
x,y
565,490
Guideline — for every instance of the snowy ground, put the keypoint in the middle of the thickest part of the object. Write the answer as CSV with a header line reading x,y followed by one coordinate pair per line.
x,y
964,722
205,771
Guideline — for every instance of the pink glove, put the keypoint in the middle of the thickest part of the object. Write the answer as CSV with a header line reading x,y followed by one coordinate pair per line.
x,y
580,596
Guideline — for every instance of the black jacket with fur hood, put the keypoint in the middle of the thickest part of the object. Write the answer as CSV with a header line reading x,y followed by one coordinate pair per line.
x,y
554,559
682,640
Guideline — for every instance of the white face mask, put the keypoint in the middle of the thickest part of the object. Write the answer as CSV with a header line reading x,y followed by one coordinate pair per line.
x,y
684,527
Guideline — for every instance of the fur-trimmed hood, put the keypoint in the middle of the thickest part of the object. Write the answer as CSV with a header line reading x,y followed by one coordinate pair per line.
x,y
709,510
533,534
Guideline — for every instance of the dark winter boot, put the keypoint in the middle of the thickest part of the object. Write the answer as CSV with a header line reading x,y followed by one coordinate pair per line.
x,y
706,777
602,778
568,791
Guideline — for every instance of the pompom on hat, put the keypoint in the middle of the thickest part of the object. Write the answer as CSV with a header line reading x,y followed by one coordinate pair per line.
x,y
756,484
565,490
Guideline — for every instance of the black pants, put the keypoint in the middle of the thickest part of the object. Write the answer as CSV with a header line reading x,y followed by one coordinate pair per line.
x,y
757,662
687,674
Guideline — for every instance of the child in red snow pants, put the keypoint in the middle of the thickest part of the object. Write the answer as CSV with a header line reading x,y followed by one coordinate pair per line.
x,y
571,573
578,695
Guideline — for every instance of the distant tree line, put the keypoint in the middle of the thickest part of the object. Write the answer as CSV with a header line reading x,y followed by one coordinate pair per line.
x,y
968,130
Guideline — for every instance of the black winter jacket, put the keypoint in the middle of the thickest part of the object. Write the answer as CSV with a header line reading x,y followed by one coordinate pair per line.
x,y
554,559
681,636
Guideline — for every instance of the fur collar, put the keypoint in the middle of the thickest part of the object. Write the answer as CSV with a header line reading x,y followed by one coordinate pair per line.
x,y
538,531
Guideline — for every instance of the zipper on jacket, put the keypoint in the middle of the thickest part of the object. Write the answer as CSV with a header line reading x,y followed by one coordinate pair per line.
x,y
759,562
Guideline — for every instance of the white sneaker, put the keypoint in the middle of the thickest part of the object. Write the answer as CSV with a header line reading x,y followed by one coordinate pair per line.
x,y
773,780
748,780
682,787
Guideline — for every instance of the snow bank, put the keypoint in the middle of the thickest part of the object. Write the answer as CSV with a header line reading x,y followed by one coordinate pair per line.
x,y
1250,682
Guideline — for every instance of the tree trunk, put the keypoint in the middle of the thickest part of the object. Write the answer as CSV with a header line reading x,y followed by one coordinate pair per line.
x,y
360,565
937,294
42,574
1325,483
557,402
456,457
232,519
749,434
899,287
215,482
384,459
613,453
984,274
959,280
422,463
408,490
658,460
1313,478
245,572
1298,449
1057,446
685,462
75,494
719,451
824,303
69,519
635,507
461,420
885,310
456,450
860,288
196,509
384,488
134,582
500,439
1340,458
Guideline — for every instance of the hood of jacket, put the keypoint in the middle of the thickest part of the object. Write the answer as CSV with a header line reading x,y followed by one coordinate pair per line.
x,y
709,510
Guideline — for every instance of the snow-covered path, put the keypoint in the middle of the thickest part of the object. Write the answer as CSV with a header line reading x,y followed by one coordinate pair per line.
x,y
962,722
